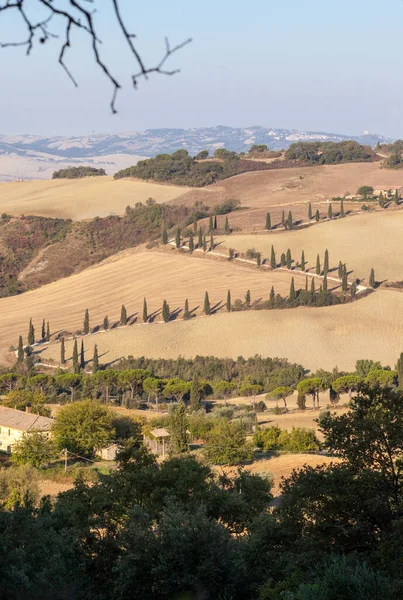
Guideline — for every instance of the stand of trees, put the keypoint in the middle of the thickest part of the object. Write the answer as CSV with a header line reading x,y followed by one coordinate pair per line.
x,y
330,153
78,172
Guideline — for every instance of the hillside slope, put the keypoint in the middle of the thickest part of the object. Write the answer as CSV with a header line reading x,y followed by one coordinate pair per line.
x,y
362,242
126,279
80,198
317,338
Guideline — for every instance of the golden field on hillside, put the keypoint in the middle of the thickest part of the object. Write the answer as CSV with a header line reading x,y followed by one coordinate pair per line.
x,y
126,279
363,241
314,337
80,198
284,189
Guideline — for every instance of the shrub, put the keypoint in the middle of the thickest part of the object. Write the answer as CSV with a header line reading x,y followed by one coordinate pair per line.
x,y
275,438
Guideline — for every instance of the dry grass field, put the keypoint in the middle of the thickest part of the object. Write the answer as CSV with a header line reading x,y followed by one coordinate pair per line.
x,y
314,337
273,191
364,241
80,198
279,467
126,279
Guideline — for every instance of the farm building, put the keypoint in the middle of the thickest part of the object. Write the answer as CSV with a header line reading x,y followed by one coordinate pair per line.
x,y
158,441
14,423
109,453
388,190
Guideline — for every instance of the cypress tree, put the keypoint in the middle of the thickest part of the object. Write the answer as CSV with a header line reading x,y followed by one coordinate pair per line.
x,y
317,215
325,282
342,213
231,254
164,236
29,359
288,259
272,296
273,258
31,334
204,243
82,355
229,305
43,332
396,197
258,259
313,287
20,352
210,224
226,226
290,223
381,200
303,262
215,222
76,366
95,360
247,299
309,211
200,241
166,313
47,332
353,289
283,219
207,308
211,242
178,238
86,324
344,282
195,223
326,263
282,260
186,312
106,323
330,211
195,396
292,296
372,282
318,270
306,283
62,352
399,369
191,243
145,313
268,221
340,270
123,315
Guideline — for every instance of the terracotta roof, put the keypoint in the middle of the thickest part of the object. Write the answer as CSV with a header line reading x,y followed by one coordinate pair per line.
x,y
160,432
23,421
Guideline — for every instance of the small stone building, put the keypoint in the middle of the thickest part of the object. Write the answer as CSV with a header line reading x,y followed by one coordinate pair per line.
x,y
158,441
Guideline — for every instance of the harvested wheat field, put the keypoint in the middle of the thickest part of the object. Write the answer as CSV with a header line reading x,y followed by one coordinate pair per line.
x,y
273,191
363,242
314,337
279,467
126,279
80,198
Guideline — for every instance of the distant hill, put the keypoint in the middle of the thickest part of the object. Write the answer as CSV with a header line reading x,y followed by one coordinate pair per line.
x,y
156,141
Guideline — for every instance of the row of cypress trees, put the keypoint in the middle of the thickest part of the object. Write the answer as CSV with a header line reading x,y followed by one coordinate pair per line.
x,y
288,222
200,232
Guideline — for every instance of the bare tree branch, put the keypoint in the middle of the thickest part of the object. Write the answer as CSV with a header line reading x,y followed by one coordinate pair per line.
x,y
81,18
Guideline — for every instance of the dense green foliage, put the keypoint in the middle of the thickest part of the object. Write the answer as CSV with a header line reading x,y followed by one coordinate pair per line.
x,y
78,172
296,440
330,153
181,169
177,529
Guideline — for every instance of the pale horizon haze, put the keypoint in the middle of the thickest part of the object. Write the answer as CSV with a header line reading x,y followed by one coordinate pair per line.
x,y
319,66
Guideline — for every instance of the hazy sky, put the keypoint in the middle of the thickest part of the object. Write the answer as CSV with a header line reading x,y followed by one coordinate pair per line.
x,y
303,64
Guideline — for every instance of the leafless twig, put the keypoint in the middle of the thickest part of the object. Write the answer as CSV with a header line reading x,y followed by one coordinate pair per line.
x,y
80,18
